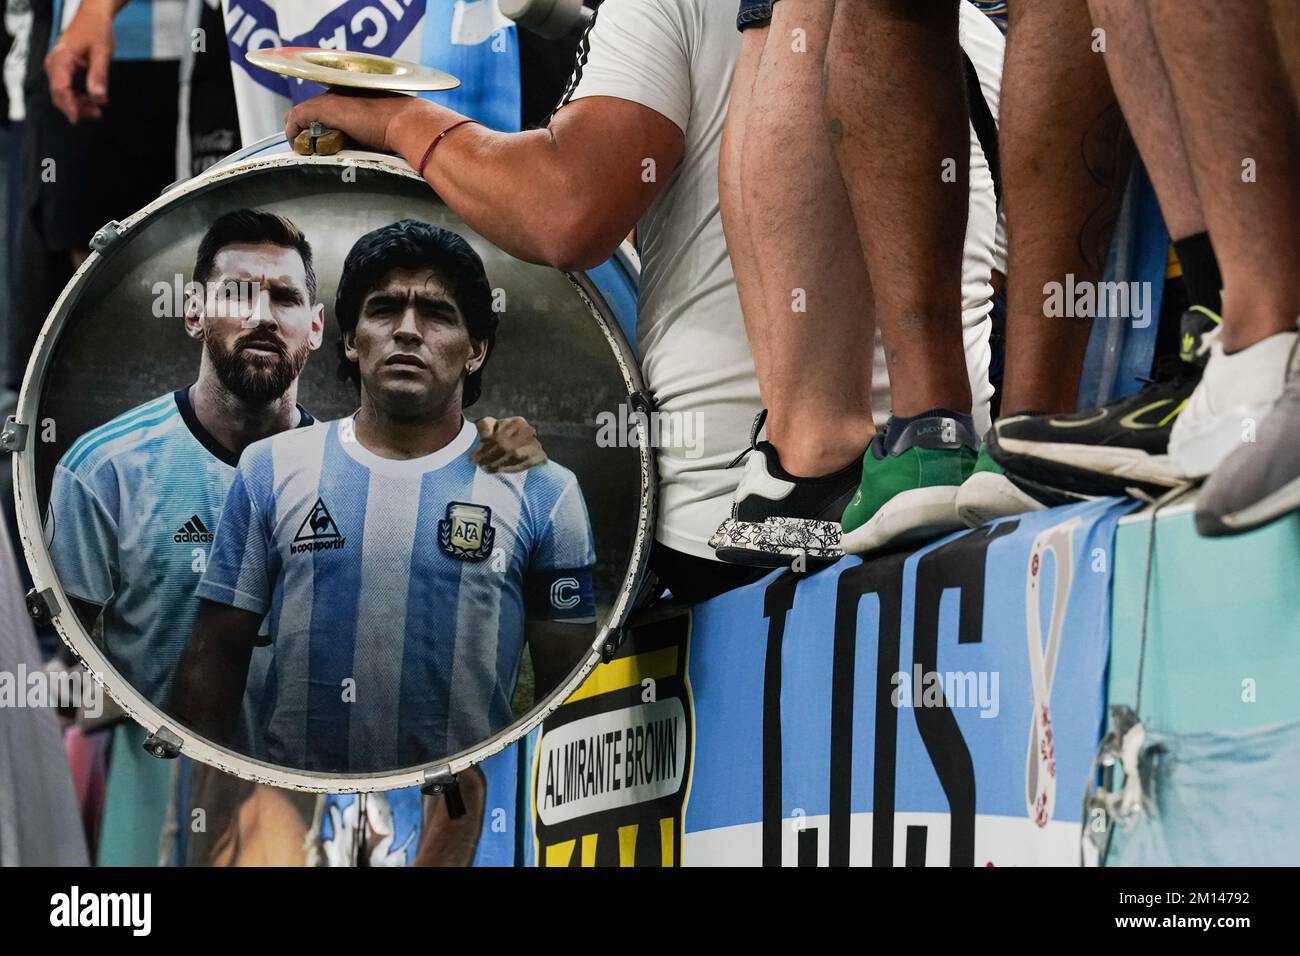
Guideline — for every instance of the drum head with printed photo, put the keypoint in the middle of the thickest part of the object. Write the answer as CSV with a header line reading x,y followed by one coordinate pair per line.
x,y
328,490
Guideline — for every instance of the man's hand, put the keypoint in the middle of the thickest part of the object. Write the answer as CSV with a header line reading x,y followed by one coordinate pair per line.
x,y
507,445
365,118
87,44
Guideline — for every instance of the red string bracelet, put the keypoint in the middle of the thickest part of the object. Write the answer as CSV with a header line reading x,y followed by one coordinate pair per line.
x,y
438,139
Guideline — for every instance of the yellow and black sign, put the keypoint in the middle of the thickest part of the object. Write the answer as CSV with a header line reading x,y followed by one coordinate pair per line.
x,y
611,767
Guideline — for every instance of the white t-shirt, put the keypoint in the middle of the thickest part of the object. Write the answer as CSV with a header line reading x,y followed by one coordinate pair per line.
x,y
676,57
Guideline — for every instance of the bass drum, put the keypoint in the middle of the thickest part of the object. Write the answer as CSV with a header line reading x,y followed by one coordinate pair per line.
x,y
405,632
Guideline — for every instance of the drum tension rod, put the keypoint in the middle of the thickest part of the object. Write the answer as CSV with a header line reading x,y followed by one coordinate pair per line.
x,y
163,744
642,401
14,436
105,236
443,781
318,140
611,645
42,606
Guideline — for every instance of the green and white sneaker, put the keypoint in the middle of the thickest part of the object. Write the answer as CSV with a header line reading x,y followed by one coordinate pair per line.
x,y
910,476
989,494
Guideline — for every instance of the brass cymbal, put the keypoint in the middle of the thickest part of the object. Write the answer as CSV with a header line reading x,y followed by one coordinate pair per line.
x,y
364,71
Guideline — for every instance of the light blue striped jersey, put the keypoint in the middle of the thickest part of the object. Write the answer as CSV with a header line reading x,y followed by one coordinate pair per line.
x,y
132,511
395,592
142,30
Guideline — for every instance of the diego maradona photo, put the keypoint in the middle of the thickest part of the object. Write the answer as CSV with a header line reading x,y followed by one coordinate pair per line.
x,y
395,582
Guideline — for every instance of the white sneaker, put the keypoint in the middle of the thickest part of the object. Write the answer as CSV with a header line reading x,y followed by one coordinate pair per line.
x,y
1235,393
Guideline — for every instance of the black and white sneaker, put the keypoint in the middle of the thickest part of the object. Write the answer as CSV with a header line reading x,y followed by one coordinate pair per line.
x,y
1118,447
778,519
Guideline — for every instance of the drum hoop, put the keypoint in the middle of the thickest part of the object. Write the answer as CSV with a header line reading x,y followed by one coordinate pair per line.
x,y
145,712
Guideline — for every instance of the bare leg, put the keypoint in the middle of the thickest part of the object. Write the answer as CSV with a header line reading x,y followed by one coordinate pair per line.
x,y
735,225
1142,87
1065,157
799,268
1243,138
1286,26
897,116
1260,482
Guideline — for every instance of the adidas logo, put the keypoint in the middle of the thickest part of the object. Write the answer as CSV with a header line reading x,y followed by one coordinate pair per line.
x,y
193,530
318,532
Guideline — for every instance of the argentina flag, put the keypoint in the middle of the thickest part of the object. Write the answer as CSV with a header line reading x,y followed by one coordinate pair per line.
x,y
470,39
142,29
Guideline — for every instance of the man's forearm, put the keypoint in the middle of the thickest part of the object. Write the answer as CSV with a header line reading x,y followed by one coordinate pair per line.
x,y
556,650
518,190
448,842
106,8
210,682
563,196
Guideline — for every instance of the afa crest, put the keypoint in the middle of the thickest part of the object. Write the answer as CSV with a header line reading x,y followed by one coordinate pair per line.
x,y
466,533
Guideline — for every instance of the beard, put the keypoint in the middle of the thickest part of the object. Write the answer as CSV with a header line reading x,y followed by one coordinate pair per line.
x,y
255,377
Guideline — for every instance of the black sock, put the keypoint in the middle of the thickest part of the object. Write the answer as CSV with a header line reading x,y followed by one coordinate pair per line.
x,y
777,469
1201,275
